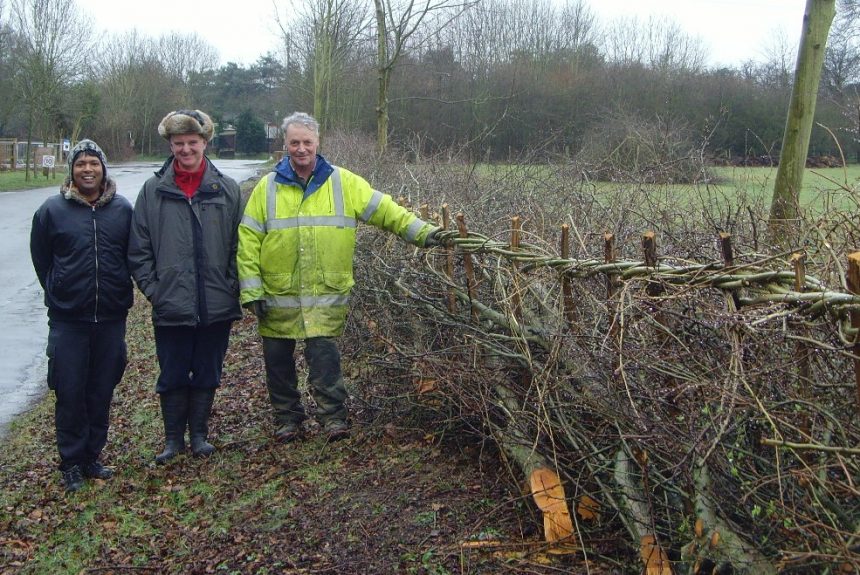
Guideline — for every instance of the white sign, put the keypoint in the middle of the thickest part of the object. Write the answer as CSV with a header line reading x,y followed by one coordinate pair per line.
x,y
47,161
66,144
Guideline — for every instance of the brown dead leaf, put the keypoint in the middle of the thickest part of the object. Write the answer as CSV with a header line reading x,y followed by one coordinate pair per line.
x,y
700,527
588,509
715,539
427,386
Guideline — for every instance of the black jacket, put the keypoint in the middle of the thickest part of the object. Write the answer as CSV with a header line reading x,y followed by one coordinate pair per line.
x,y
79,253
182,253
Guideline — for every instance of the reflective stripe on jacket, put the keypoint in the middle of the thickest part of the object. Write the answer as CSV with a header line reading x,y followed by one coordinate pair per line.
x,y
296,246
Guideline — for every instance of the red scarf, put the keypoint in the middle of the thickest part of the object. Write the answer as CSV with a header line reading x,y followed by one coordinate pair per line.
x,y
188,182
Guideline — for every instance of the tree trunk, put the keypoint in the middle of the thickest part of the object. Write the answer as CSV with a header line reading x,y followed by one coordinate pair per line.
x,y
817,17
383,73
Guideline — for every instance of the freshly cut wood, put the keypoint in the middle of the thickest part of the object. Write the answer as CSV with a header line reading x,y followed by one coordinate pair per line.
x,y
655,558
548,494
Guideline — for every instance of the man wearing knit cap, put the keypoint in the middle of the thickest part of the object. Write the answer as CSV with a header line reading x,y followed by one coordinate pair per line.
x,y
78,244
182,255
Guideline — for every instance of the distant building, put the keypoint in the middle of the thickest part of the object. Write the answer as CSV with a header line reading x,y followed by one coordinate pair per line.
x,y
226,142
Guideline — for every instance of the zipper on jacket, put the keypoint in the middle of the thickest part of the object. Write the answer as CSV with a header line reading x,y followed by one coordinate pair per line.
x,y
195,220
96,249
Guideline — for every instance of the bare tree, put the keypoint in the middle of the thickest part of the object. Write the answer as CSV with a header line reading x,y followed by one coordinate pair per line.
x,y
842,66
397,24
323,36
182,55
658,43
52,50
137,90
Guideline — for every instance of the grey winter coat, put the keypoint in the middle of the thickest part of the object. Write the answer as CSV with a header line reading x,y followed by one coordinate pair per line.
x,y
182,253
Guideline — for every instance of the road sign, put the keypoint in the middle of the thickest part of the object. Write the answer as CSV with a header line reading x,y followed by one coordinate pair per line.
x,y
47,161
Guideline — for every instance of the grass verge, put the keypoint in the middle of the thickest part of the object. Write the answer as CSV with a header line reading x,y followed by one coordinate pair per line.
x,y
390,499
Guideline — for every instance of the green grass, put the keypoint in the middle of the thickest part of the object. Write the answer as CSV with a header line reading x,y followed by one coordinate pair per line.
x,y
823,188
11,181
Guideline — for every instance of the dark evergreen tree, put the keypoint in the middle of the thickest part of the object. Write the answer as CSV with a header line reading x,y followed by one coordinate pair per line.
x,y
250,134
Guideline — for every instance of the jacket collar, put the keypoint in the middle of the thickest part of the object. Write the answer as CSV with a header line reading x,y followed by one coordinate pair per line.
x,y
209,184
70,192
285,174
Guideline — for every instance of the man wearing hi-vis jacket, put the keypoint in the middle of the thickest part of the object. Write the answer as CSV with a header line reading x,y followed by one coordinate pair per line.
x,y
296,244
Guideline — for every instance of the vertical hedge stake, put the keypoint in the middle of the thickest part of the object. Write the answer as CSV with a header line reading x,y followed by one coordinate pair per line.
x,y
609,257
449,261
470,269
798,264
566,291
516,226
854,286
728,255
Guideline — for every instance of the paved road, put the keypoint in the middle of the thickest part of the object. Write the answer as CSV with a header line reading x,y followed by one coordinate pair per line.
x,y
23,319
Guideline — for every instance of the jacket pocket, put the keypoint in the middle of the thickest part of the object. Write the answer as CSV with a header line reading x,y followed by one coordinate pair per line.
x,y
278,284
338,282
174,296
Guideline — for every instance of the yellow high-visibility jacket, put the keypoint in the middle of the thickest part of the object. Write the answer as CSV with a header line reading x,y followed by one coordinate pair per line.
x,y
296,246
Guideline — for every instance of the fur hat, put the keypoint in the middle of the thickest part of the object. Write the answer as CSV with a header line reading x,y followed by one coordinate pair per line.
x,y
186,122
92,149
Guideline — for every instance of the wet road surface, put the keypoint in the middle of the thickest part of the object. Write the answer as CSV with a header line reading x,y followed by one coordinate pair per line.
x,y
23,317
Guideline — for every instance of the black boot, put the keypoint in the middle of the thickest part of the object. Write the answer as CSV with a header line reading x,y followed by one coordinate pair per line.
x,y
174,412
198,421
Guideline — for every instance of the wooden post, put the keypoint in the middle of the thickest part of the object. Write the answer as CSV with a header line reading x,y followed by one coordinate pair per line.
x,y
449,261
654,289
467,264
649,249
854,286
798,264
726,249
728,256
609,257
566,291
516,302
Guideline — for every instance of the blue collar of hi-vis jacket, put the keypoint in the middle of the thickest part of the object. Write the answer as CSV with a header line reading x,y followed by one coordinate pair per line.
x,y
285,174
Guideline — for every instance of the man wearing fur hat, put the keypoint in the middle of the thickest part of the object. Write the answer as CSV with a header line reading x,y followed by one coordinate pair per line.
x,y
78,244
182,255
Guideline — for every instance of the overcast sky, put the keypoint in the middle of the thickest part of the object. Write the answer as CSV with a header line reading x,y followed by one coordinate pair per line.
x,y
732,31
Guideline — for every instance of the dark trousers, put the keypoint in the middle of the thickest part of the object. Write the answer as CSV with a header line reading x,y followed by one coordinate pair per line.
x,y
191,357
85,363
324,379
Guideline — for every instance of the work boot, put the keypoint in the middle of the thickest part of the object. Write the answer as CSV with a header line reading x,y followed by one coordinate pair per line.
x,y
95,470
336,429
288,432
73,479
200,407
174,412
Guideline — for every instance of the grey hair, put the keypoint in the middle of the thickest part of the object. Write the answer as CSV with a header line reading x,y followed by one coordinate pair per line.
x,y
301,119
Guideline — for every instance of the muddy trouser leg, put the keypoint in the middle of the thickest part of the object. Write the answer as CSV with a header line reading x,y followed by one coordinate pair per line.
x,y
325,379
282,380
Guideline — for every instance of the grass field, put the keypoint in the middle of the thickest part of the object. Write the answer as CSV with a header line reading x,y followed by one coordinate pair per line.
x,y
823,188
17,180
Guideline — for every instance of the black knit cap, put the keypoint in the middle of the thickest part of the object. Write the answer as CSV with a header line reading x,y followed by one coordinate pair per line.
x,y
91,149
